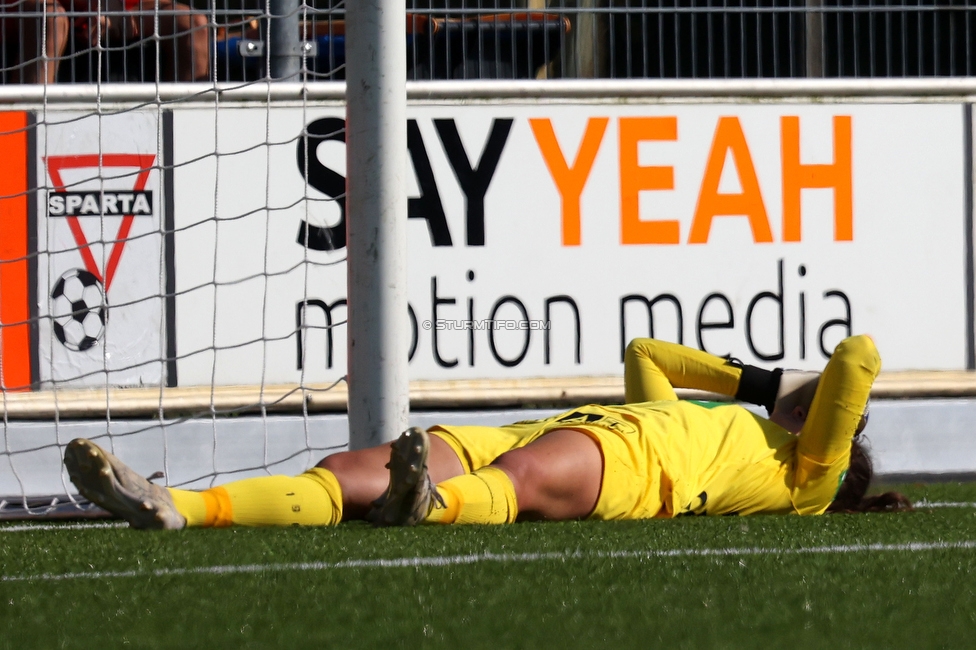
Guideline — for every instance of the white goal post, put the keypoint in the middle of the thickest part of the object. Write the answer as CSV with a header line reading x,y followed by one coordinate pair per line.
x,y
376,151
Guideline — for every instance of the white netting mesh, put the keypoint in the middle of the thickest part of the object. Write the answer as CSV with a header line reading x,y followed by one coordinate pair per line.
x,y
171,276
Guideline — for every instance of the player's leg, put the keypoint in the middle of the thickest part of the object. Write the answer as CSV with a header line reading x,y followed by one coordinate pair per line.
x,y
106,481
312,498
343,486
558,476
363,475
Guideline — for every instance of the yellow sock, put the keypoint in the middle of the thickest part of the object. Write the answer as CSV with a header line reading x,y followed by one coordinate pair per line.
x,y
486,496
310,499
190,504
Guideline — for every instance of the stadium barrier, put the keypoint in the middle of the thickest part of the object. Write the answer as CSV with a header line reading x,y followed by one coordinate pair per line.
x,y
230,280
523,39
424,395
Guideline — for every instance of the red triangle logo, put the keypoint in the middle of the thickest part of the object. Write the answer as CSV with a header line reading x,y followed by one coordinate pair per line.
x,y
142,162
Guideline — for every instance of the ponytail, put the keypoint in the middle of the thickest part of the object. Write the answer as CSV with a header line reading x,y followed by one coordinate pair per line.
x,y
850,497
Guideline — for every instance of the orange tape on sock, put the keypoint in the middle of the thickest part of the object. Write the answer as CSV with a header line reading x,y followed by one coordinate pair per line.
x,y
220,511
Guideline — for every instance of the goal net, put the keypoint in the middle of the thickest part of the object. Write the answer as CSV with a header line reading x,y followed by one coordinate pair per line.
x,y
167,275
172,266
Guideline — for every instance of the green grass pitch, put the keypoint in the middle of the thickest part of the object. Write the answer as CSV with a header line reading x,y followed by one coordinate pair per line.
x,y
839,581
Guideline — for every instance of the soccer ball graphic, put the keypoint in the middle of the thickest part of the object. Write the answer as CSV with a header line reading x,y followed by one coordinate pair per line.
x,y
78,309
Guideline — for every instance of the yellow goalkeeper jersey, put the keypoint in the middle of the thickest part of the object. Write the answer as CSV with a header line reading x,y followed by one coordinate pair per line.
x,y
667,458
728,460
716,460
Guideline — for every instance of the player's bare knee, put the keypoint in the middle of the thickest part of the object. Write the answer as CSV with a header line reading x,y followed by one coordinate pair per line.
x,y
337,463
523,471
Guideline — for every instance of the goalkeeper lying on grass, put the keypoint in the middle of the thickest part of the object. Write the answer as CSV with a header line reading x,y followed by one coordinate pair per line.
x,y
654,457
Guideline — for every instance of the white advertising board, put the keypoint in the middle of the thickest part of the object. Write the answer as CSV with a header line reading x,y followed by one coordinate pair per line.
x,y
768,232
100,269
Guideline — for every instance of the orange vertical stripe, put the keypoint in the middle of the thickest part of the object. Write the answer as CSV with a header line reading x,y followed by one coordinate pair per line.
x,y
14,276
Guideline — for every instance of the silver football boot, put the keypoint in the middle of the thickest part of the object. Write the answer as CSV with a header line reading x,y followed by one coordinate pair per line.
x,y
111,484
411,494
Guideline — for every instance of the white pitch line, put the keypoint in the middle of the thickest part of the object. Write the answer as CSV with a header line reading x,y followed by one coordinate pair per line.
x,y
31,527
20,528
454,560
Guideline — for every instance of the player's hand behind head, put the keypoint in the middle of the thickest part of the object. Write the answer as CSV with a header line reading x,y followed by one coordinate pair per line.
x,y
793,399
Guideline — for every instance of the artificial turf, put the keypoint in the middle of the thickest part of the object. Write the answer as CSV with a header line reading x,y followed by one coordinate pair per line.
x,y
575,585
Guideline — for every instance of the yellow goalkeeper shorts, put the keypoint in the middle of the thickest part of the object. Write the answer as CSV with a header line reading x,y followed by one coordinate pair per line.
x,y
632,481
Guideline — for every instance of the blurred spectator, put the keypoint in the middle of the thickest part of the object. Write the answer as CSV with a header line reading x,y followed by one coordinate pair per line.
x,y
22,37
184,42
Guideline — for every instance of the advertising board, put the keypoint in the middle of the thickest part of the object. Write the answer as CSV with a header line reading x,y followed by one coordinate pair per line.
x,y
543,237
